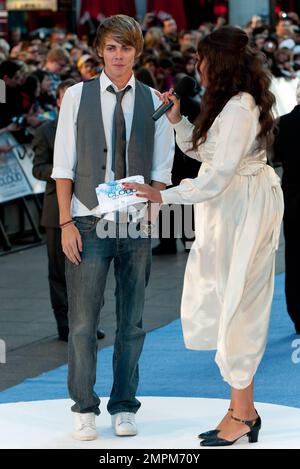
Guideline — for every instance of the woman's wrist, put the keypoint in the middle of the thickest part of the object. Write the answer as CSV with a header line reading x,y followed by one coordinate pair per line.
x,y
176,119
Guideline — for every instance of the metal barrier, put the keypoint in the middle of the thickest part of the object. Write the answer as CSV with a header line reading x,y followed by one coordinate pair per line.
x,y
19,190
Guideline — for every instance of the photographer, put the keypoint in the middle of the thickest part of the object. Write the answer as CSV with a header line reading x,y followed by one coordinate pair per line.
x,y
9,128
10,73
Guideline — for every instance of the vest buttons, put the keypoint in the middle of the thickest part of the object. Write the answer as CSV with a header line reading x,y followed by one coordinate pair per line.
x,y
104,150
103,167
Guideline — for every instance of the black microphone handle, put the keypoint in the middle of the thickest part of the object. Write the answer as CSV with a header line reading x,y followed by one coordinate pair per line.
x,y
163,108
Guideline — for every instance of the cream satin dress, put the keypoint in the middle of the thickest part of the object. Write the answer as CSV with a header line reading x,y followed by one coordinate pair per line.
x,y
229,278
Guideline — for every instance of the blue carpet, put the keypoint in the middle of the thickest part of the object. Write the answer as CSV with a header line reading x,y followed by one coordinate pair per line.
x,y
168,369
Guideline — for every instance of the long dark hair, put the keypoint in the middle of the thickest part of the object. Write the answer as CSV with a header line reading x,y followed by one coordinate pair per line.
x,y
233,66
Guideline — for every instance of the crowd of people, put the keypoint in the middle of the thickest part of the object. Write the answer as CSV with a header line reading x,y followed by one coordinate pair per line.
x,y
33,67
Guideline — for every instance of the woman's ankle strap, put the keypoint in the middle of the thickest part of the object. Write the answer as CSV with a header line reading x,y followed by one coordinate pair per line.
x,y
249,423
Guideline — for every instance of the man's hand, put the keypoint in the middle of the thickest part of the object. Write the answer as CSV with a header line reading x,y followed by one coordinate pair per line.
x,y
5,148
13,127
71,243
33,121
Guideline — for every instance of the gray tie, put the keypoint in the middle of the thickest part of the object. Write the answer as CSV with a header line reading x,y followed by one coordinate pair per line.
x,y
118,165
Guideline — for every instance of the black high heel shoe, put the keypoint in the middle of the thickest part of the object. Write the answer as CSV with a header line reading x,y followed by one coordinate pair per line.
x,y
254,425
211,433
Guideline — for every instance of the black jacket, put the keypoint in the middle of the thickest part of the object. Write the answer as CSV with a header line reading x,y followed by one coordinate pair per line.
x,y
43,146
287,152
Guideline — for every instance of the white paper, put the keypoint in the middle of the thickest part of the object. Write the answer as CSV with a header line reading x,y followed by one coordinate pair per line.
x,y
113,197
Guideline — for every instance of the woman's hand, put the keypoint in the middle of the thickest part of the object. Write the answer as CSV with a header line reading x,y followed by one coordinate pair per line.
x,y
144,190
173,114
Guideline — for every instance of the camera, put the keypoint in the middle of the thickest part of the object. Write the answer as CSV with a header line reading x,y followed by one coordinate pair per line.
x,y
283,15
19,120
269,45
22,135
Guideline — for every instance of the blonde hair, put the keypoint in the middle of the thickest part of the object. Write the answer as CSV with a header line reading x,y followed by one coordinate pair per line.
x,y
58,54
123,29
153,38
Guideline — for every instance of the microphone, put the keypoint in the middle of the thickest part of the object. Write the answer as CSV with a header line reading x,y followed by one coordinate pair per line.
x,y
185,87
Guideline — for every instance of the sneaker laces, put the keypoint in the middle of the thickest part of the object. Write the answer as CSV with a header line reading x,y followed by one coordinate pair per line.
x,y
128,417
88,421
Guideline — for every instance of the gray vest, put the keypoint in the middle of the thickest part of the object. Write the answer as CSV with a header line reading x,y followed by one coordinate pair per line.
x,y
91,142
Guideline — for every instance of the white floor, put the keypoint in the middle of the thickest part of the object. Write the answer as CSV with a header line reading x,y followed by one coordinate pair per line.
x,y
170,423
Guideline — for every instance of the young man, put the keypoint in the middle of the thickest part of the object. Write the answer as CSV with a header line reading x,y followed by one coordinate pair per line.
x,y
105,132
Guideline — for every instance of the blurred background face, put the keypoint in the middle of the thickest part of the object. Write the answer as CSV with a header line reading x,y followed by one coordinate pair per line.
x,y
150,66
33,50
88,70
15,80
282,57
56,66
296,36
16,36
188,39
57,37
46,84
284,28
190,66
259,41
75,54
170,27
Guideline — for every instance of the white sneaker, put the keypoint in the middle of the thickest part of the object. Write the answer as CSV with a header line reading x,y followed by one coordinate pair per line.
x,y
84,427
124,424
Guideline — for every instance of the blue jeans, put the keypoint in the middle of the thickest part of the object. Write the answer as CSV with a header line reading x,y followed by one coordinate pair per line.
x,y
86,285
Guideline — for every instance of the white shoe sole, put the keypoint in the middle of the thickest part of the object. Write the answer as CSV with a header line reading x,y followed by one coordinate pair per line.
x,y
84,438
125,433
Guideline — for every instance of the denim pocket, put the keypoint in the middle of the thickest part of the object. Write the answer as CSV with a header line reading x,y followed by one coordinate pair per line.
x,y
85,224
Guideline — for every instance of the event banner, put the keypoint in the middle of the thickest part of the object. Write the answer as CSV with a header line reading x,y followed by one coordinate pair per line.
x,y
16,179
13,182
31,5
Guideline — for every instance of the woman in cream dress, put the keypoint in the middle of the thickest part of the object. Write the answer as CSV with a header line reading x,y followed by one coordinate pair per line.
x,y
229,278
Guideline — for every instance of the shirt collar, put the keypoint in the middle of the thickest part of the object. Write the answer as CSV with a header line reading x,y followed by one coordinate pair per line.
x,y
105,82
